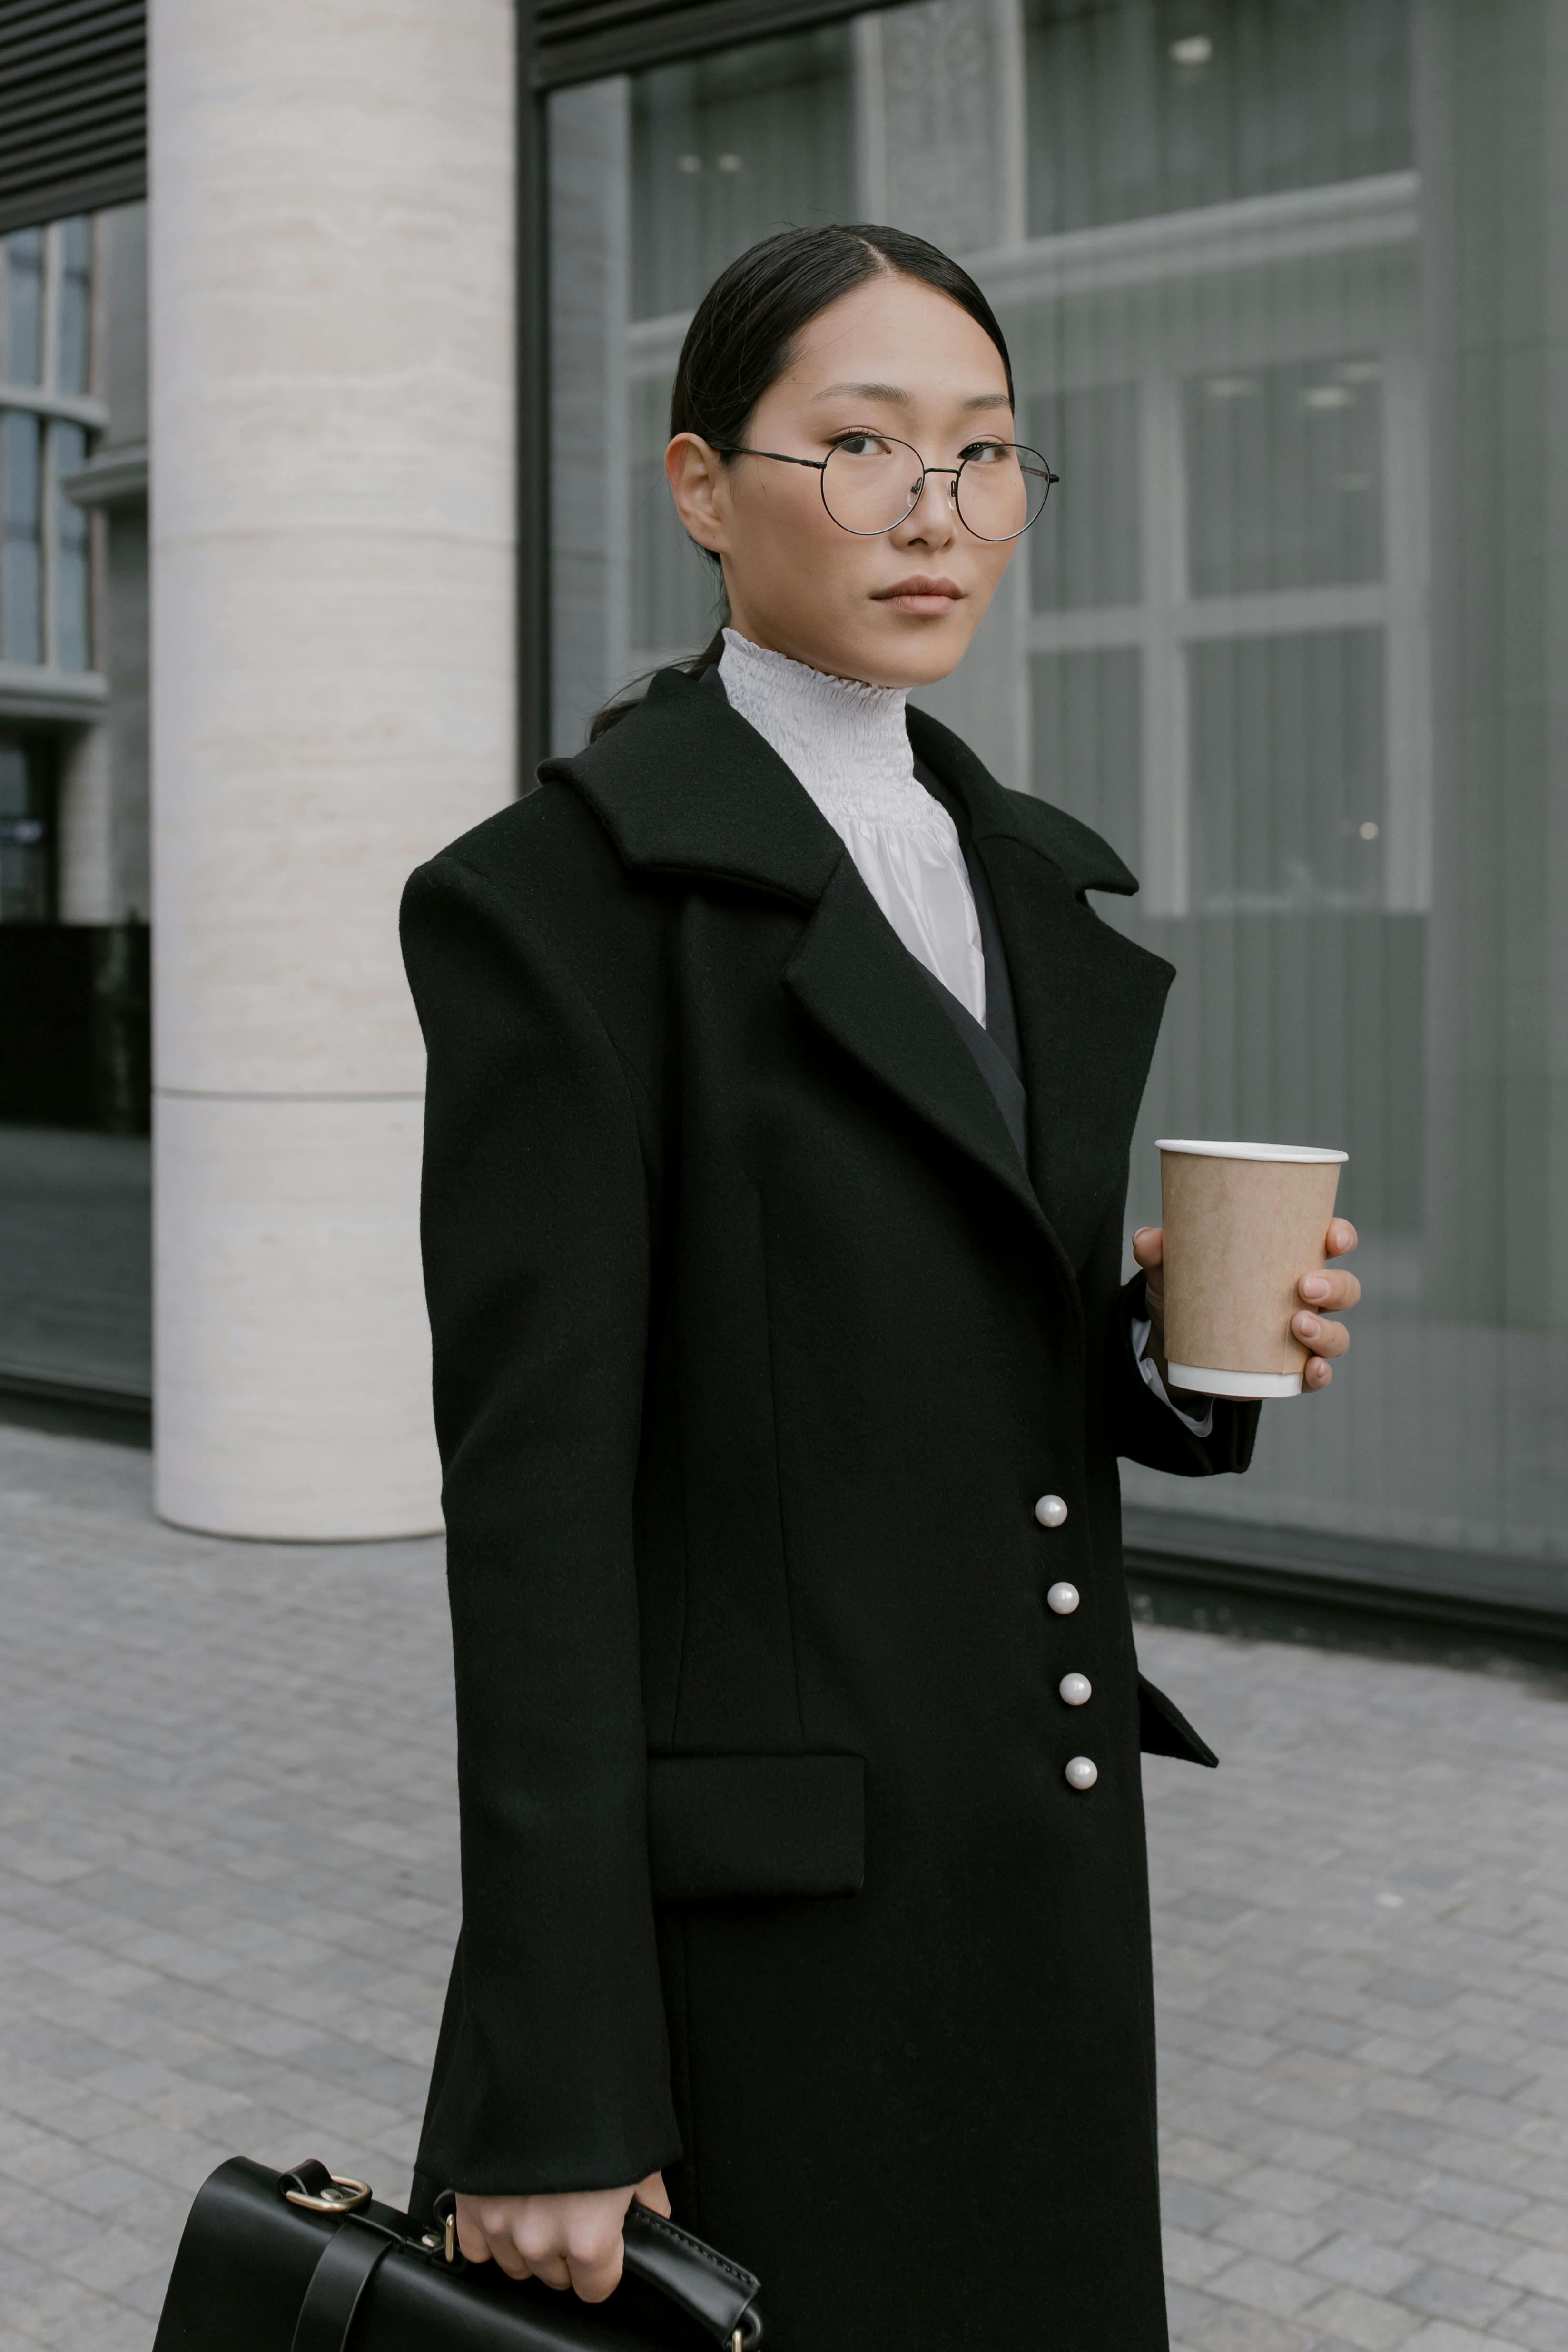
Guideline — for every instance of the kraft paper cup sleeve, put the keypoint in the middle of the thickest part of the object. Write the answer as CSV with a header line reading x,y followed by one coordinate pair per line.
x,y
1242,1224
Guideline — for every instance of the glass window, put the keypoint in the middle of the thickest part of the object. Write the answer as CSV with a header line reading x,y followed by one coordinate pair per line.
x,y
21,350
25,881
1091,553
46,538
72,586
74,307
1287,772
728,147
21,574
1239,642
1136,110
1284,474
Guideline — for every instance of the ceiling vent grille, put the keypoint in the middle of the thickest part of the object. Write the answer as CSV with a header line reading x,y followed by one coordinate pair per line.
x,y
577,40
73,107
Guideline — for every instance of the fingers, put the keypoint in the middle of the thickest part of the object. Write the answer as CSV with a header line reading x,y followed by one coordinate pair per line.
x,y
1317,1375
568,2241
1324,1339
485,2234
1341,1238
1332,1291
594,2262
1149,1247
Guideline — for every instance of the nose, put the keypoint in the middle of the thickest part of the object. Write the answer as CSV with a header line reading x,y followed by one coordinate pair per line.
x,y
931,522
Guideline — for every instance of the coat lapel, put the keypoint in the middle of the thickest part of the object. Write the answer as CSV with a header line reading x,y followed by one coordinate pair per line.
x,y
856,981
1089,1001
686,786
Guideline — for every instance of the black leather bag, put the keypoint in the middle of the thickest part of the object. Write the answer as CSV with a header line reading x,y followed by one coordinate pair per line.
x,y
307,2262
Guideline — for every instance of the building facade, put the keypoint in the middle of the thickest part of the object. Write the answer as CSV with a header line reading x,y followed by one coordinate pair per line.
x,y
1285,283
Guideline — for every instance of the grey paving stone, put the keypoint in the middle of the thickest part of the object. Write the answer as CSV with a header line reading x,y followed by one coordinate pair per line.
x,y
1409,1989
1362,2262
1347,2317
1361,1938
1543,2326
1361,2214
1462,2245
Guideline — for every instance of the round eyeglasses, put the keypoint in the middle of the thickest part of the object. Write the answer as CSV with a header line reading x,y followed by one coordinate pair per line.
x,y
871,483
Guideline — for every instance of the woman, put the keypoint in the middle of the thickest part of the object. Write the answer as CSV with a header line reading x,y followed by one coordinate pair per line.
x,y
781,1087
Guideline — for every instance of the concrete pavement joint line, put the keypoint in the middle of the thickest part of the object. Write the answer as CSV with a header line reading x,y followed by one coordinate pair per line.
x,y
1361,1955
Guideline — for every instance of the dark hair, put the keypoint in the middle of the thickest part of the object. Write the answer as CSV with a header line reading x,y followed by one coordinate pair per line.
x,y
745,331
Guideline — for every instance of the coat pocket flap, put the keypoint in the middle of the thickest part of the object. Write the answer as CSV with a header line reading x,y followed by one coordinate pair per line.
x,y
1163,1730
726,1826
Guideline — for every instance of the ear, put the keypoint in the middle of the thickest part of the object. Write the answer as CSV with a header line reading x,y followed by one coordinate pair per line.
x,y
696,474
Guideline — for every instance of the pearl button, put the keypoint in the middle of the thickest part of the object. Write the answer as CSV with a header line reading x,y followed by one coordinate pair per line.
x,y
1082,1772
1075,1689
1063,1599
1050,1510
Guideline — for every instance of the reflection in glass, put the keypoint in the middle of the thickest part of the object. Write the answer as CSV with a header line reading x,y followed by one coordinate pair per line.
x,y
728,148
1284,469
75,305
1146,109
25,891
21,573
1087,731
72,608
1089,552
1287,764
22,353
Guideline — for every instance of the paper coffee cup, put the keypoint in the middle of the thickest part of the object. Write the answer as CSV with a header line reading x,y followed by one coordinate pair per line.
x,y
1243,1222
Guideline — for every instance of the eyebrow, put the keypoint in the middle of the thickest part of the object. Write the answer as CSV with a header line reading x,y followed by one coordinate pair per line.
x,y
896,393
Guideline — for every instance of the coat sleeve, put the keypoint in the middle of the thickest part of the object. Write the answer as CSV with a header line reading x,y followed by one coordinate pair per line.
x,y
1150,1433
554,2070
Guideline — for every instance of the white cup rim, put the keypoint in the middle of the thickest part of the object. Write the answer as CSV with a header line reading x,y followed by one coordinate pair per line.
x,y
1299,1153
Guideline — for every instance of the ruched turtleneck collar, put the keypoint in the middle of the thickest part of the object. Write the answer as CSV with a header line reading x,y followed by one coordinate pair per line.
x,y
849,746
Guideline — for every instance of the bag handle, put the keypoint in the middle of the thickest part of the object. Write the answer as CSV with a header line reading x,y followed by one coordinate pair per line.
x,y
717,2293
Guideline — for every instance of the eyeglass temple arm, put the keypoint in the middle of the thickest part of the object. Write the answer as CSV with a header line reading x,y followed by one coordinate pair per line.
x,y
725,449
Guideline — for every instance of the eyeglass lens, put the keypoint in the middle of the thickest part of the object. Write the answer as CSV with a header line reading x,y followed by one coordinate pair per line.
x,y
871,483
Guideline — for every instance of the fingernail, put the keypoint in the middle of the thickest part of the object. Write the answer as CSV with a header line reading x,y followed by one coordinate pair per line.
x,y
1141,1231
1307,1326
1314,1287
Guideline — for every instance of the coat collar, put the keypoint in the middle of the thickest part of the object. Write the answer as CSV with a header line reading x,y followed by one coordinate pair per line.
x,y
685,787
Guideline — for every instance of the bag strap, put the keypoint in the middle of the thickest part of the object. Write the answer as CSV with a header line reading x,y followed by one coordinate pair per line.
x,y
347,2264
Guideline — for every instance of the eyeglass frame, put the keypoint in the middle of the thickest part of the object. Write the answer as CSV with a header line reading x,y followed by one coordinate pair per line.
x,y
820,465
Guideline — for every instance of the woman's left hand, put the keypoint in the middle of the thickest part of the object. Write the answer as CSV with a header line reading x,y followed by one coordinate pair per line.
x,y
1323,1294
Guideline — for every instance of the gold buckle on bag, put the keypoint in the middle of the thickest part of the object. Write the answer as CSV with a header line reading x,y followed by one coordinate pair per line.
x,y
342,2196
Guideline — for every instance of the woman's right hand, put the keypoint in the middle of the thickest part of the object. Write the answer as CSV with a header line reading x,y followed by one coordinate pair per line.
x,y
570,2240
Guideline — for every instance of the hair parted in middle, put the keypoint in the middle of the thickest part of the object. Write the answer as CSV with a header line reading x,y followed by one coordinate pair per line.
x,y
742,336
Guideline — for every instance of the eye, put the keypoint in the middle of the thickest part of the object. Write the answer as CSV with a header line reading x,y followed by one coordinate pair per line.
x,y
861,442
986,452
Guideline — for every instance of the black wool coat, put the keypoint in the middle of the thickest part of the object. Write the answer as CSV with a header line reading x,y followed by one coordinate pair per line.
x,y
755,1344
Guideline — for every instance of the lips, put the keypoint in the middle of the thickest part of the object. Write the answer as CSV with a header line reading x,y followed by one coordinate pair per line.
x,y
928,593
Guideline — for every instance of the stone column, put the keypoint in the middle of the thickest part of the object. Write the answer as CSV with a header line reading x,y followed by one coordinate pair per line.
x,y
332,695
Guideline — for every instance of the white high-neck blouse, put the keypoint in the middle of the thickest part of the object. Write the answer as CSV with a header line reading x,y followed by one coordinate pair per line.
x,y
849,746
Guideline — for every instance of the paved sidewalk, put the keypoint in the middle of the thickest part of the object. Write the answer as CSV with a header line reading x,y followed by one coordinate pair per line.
x,y
75,1258
226,1885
